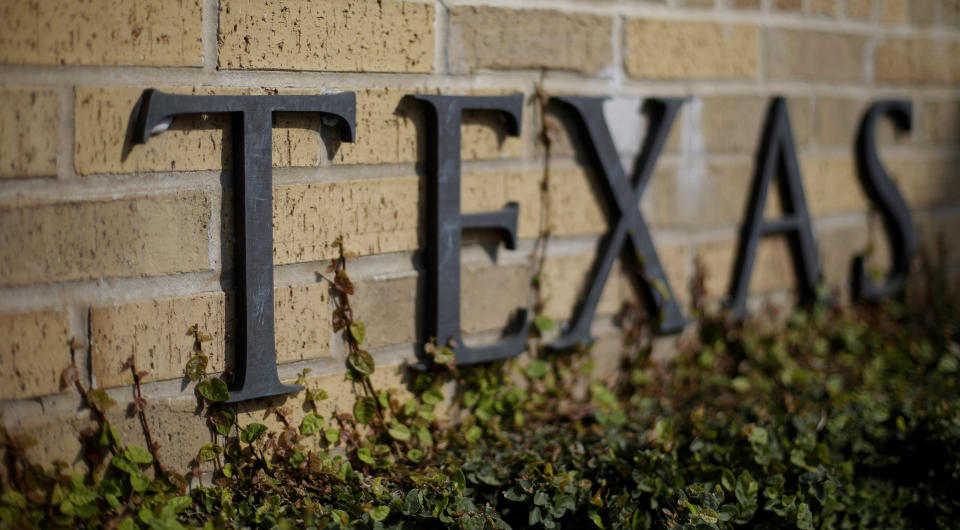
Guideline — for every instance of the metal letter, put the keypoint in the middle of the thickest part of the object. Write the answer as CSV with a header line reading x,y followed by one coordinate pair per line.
x,y
882,191
777,154
255,370
630,226
446,223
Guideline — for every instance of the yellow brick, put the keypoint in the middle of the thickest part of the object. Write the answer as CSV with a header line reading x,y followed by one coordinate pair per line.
x,y
803,55
734,124
335,35
698,3
832,186
936,234
941,122
95,32
388,308
772,269
839,246
136,236
950,13
917,60
155,332
662,49
894,11
860,9
374,216
838,122
746,4
829,8
563,280
485,308
923,12
28,133
719,198
34,350
574,206
391,130
925,182
789,5
510,39
482,192
193,142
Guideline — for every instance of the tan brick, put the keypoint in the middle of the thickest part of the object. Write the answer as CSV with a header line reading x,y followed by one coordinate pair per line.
x,y
936,234
698,3
134,236
28,133
664,49
925,182
388,308
838,247
788,5
481,192
941,122
155,332
484,308
391,130
734,124
336,35
564,279
838,121
772,269
830,8
950,12
34,350
923,12
894,11
193,142
797,54
831,185
715,198
917,60
511,39
860,9
622,114
374,216
93,32
575,208
746,4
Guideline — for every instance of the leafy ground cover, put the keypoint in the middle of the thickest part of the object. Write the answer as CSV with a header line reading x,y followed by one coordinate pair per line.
x,y
836,418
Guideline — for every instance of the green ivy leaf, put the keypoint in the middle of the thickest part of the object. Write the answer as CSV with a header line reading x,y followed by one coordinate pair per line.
x,y
252,432
412,503
364,409
196,367
361,361
536,369
709,516
398,431
139,482
223,421
443,355
310,424
473,434
358,331
459,481
380,513
213,389
208,452
364,455
138,454
416,455
432,397
544,324
332,434
229,470
124,464
100,400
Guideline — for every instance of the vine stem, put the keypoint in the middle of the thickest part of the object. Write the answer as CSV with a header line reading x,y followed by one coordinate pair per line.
x,y
141,405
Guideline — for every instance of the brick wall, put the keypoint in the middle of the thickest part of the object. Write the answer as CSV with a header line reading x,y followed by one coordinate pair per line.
x,y
124,248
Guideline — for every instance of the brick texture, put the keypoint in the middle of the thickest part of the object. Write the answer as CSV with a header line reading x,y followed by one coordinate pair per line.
x,y
28,133
813,55
90,32
511,39
155,332
134,236
34,350
917,60
663,49
335,35
734,124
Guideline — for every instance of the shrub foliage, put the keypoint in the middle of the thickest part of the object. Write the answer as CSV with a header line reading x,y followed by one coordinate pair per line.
x,y
837,418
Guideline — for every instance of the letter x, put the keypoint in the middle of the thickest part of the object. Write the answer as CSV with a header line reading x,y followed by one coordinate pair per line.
x,y
630,226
